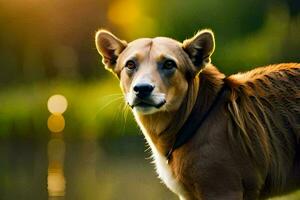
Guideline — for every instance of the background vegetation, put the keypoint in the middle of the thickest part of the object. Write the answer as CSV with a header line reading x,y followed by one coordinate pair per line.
x,y
47,47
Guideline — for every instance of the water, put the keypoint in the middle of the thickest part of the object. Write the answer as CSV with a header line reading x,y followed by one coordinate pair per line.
x,y
83,169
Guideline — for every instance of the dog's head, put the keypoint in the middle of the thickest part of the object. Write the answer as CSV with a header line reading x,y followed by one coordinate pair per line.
x,y
154,73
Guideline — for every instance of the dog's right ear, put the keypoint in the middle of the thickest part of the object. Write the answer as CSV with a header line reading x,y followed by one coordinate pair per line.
x,y
109,47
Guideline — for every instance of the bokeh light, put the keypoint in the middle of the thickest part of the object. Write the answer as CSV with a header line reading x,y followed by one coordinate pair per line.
x,y
56,123
57,104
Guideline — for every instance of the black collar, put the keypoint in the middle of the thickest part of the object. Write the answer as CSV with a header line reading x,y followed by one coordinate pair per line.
x,y
194,121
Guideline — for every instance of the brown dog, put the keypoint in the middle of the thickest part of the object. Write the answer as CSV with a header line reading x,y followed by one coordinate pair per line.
x,y
212,137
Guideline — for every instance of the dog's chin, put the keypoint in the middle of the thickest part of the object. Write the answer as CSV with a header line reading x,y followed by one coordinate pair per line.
x,y
148,109
146,106
145,110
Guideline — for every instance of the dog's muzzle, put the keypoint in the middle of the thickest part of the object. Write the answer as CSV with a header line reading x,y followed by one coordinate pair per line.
x,y
145,100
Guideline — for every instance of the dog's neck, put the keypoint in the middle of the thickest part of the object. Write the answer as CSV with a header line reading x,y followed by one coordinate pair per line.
x,y
161,128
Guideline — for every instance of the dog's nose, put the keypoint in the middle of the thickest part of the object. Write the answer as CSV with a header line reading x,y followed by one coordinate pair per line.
x,y
143,90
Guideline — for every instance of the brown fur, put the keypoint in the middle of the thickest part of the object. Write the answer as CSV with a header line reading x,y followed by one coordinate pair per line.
x,y
254,150
247,148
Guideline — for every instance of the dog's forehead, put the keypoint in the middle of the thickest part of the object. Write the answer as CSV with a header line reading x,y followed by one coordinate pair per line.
x,y
165,44
155,46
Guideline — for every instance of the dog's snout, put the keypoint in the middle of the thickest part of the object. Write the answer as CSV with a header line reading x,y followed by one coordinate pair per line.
x,y
143,90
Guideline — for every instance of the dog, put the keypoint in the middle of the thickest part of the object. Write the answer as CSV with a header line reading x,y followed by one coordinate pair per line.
x,y
212,137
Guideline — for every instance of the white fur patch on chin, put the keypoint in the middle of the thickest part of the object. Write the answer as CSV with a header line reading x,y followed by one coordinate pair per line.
x,y
145,110
162,168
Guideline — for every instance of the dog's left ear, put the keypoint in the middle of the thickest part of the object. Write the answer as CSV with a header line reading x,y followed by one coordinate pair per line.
x,y
200,47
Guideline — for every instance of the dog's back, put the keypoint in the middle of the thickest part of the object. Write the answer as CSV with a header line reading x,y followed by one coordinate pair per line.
x,y
265,117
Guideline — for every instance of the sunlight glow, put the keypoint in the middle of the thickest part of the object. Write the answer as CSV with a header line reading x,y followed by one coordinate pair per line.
x,y
57,104
128,14
120,16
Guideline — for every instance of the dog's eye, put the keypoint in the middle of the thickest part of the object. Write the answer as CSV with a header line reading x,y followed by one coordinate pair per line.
x,y
130,64
169,64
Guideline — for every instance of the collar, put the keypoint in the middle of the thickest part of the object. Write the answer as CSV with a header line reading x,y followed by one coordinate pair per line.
x,y
194,121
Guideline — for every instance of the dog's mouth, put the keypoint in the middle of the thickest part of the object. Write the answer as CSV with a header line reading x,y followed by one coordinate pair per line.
x,y
156,101
144,104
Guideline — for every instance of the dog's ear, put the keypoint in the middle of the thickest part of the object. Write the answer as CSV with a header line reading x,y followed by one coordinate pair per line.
x,y
109,47
200,47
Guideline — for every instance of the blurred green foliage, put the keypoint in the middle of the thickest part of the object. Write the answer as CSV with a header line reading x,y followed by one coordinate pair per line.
x,y
47,47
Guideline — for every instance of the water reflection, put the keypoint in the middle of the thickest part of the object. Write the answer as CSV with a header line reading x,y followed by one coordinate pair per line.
x,y
81,169
56,154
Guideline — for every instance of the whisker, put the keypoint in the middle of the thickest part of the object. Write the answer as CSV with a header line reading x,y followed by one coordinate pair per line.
x,y
124,112
110,102
117,114
110,95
